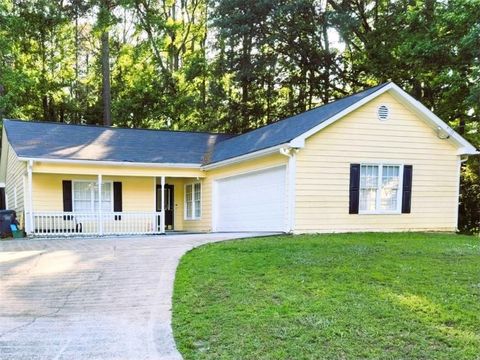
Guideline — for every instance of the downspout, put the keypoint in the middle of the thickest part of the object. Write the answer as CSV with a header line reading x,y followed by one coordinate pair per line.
x,y
290,152
459,171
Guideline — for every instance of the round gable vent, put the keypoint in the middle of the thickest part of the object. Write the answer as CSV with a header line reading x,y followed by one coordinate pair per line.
x,y
383,112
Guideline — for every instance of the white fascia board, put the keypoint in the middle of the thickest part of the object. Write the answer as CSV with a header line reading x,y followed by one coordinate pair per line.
x,y
467,151
112,163
249,156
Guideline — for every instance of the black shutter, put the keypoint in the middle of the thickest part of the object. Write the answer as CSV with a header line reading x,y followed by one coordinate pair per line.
x,y
67,199
2,199
67,196
117,198
354,188
407,189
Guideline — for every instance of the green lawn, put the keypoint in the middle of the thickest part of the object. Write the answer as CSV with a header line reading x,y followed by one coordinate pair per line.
x,y
344,296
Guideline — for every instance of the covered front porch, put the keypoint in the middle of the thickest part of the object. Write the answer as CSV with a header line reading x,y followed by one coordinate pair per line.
x,y
62,204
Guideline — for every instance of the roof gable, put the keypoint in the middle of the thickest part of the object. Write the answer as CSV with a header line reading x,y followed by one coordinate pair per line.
x,y
464,147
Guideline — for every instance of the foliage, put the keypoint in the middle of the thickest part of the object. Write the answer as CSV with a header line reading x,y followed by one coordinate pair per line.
x,y
343,296
234,65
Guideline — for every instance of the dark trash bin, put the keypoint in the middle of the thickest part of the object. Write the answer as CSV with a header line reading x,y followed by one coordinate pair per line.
x,y
7,218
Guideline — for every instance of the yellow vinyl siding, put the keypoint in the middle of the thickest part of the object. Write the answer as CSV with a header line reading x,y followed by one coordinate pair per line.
x,y
15,183
205,222
137,192
323,171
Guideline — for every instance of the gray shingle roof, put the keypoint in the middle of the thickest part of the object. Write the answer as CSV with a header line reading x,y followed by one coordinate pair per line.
x,y
285,130
79,142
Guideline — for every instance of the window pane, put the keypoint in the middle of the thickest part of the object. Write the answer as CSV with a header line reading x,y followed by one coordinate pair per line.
x,y
368,199
389,199
368,176
197,195
368,187
390,184
106,196
82,200
188,201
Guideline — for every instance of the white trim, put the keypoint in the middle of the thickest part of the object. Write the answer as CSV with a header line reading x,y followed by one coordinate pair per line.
x,y
2,184
467,151
464,146
31,225
377,210
291,183
100,219
192,184
249,156
25,203
113,163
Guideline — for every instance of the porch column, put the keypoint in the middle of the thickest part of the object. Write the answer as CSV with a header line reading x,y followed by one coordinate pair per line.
x,y
162,219
29,225
100,222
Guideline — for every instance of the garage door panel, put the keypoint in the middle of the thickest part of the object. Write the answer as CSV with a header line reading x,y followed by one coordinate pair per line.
x,y
252,202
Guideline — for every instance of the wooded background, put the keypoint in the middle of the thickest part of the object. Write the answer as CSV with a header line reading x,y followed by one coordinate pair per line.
x,y
234,65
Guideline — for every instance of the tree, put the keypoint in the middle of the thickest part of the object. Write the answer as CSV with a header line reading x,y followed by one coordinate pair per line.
x,y
104,22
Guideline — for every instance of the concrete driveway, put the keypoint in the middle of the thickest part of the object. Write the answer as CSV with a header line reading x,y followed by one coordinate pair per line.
x,y
103,298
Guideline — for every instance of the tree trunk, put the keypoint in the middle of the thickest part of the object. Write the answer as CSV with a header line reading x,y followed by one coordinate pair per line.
x,y
106,93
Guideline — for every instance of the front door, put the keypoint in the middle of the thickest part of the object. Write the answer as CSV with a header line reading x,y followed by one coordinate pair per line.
x,y
169,204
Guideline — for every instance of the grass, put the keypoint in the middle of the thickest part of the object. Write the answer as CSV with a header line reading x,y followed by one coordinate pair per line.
x,y
343,296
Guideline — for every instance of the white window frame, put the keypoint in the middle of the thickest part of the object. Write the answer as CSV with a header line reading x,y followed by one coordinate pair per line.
x,y
91,197
185,215
378,199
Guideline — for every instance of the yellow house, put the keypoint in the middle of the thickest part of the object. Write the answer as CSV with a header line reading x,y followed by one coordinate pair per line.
x,y
374,161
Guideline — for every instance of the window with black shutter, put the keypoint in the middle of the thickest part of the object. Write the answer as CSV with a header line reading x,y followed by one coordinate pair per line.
x,y
354,188
407,189
117,199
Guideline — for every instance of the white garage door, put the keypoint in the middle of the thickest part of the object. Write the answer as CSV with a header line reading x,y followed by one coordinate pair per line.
x,y
252,202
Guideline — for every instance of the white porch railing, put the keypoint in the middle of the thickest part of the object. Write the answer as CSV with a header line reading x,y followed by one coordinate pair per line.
x,y
89,223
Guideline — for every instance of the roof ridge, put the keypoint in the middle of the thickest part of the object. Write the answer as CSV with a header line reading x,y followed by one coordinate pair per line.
x,y
113,127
